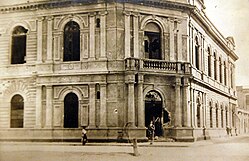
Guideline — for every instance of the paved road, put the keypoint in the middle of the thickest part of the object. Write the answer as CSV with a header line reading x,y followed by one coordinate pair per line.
x,y
229,149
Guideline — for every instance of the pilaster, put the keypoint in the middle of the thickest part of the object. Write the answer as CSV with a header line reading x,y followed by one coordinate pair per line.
x,y
39,39
92,109
103,35
127,34
103,113
38,107
136,35
49,39
178,109
140,103
49,107
92,35
186,108
171,41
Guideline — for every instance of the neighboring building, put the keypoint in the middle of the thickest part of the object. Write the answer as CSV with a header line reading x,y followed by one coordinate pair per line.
x,y
114,66
242,122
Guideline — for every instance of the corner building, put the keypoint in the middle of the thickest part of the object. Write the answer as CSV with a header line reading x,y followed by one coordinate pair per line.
x,y
113,66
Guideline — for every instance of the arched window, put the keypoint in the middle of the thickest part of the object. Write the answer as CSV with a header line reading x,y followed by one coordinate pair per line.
x,y
222,117
209,63
71,42
197,53
18,49
71,109
215,66
17,106
152,41
210,115
225,73
217,115
220,69
226,116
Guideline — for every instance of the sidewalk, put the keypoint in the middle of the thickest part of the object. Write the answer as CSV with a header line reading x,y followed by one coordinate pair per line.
x,y
140,144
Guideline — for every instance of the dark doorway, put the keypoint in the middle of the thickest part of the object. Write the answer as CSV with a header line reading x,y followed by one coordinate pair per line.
x,y
71,109
17,106
154,112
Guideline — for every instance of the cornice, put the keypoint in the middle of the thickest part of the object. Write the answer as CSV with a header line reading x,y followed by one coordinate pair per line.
x,y
56,4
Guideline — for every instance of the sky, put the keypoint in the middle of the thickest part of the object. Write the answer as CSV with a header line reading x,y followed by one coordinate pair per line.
x,y
231,17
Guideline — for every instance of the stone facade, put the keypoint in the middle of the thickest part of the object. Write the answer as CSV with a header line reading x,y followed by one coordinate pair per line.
x,y
112,67
242,112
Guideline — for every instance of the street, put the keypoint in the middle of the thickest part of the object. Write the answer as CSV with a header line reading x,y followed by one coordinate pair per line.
x,y
227,149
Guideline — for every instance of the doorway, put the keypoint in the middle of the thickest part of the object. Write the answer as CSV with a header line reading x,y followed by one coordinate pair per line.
x,y
154,112
71,108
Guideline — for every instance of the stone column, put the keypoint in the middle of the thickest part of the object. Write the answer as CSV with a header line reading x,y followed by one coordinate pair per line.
x,y
38,120
127,35
186,107
49,39
131,104
39,39
136,35
103,105
49,107
103,35
178,111
140,103
92,110
92,35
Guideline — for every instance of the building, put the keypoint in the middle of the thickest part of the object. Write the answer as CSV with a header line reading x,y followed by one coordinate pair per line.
x,y
113,66
242,122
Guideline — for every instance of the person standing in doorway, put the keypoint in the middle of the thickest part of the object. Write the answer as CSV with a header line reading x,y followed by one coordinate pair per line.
x,y
84,136
151,132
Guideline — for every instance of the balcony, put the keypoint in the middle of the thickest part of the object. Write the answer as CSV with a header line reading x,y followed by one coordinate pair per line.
x,y
149,65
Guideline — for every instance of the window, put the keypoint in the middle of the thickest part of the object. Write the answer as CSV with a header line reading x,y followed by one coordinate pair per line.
x,y
222,121
197,56
152,41
17,106
71,42
217,116
225,73
220,69
215,67
98,23
209,63
18,50
210,115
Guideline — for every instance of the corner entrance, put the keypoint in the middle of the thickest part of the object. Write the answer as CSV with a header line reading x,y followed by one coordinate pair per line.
x,y
155,112
71,108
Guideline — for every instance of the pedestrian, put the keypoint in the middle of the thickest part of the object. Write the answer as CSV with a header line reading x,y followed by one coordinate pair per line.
x,y
151,130
84,136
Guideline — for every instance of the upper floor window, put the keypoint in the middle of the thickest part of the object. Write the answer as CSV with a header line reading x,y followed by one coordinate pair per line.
x,y
215,66
152,41
197,53
220,69
18,49
225,73
209,62
71,42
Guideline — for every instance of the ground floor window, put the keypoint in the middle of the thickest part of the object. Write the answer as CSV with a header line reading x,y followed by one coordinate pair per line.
x,y
71,108
17,110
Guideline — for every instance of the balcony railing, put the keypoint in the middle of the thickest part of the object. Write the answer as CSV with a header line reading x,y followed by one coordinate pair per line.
x,y
156,65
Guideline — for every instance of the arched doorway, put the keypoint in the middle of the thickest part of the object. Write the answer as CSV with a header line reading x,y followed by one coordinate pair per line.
x,y
155,112
17,106
71,108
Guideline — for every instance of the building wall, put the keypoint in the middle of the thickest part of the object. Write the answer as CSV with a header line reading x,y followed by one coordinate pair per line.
x,y
114,74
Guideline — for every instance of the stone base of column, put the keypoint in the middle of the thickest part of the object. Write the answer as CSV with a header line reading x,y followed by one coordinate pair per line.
x,y
180,134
